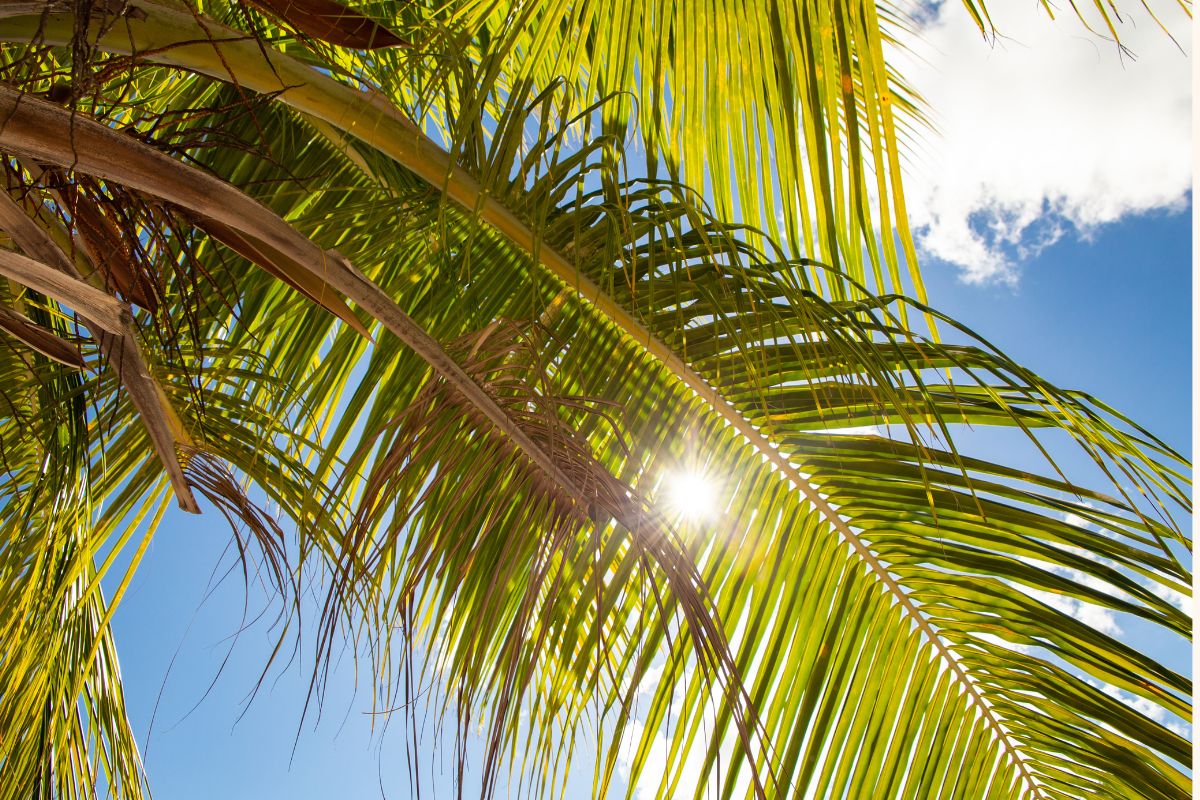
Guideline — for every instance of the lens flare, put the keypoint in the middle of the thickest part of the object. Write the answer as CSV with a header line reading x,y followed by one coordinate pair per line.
x,y
693,495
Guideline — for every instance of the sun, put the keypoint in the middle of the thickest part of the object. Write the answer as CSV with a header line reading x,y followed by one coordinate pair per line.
x,y
692,494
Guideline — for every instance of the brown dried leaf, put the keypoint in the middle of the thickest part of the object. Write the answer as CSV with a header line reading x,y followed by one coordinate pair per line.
x,y
50,133
110,251
106,311
283,268
331,22
40,339
120,348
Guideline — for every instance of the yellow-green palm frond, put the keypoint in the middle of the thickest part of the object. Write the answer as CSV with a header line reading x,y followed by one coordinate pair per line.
x,y
422,302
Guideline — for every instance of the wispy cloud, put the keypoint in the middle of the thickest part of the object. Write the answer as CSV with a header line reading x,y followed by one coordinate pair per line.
x,y
1089,614
657,766
1146,708
1098,617
1048,132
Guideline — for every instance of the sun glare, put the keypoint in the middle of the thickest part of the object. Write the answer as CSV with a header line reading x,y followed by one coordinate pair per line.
x,y
692,494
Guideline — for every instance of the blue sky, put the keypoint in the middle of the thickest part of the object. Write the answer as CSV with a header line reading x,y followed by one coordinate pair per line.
x,y
1110,314
1043,130
1060,235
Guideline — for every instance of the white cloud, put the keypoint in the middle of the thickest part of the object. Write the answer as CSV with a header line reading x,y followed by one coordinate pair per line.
x,y
857,430
1077,521
1090,614
1147,708
1093,616
997,641
1176,598
1098,617
648,683
1047,132
657,765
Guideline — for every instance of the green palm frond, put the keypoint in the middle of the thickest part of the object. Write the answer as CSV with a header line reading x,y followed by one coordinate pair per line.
x,y
425,302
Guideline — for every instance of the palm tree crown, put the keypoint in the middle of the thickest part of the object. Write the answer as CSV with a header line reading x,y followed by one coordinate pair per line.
x,y
428,298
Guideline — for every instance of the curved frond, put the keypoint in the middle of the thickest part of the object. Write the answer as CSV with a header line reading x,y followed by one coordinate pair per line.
x,y
425,302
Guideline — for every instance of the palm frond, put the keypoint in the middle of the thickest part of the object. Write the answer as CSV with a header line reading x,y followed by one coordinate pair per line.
x,y
475,456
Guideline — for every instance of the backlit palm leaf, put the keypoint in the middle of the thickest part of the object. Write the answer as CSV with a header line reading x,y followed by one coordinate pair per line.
x,y
473,458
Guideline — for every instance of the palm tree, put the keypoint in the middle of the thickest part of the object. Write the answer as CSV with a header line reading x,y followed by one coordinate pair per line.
x,y
427,299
